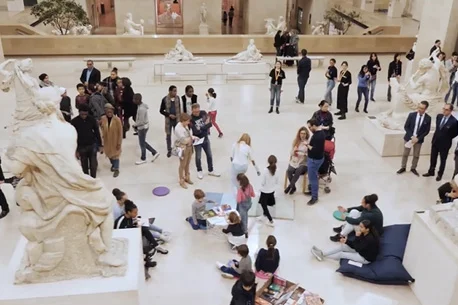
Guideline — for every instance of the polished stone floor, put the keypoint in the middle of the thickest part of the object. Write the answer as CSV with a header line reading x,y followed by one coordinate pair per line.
x,y
188,271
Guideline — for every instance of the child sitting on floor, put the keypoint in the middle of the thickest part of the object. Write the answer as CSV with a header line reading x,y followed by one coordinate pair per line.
x,y
268,259
234,230
234,268
244,290
197,219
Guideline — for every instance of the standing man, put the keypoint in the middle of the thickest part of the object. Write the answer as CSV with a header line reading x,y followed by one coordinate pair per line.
x,y
304,66
201,124
170,109
331,76
315,158
97,101
231,15
89,139
90,75
188,99
446,130
451,65
437,45
3,202
417,127
111,127
142,126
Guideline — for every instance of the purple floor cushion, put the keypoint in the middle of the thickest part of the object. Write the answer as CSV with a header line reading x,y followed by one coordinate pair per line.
x,y
161,191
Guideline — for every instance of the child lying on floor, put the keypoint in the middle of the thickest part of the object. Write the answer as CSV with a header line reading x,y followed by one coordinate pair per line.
x,y
198,208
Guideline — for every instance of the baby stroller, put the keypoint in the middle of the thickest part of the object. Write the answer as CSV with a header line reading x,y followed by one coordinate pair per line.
x,y
328,168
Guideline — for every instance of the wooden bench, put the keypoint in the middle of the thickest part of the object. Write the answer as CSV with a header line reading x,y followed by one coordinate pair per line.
x,y
320,59
111,60
304,182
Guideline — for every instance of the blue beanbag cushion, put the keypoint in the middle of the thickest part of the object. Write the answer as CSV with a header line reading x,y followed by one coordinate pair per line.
x,y
387,268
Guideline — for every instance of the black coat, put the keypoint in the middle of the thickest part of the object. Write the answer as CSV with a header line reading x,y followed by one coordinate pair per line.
x,y
130,109
394,69
183,102
242,297
304,66
423,131
93,78
443,137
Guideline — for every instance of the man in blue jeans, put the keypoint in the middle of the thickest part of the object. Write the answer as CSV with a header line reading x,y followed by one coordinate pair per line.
x,y
304,66
142,126
315,158
201,124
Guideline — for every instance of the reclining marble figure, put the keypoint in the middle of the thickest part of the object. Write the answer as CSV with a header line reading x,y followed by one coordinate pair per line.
x,y
66,215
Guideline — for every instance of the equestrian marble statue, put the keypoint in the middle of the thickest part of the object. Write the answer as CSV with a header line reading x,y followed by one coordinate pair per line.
x,y
429,83
66,216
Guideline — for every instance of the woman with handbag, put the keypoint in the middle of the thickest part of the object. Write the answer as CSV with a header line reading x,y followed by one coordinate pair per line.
x,y
373,65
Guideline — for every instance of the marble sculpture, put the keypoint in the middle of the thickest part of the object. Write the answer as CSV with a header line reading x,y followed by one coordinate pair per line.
x,y
79,30
180,54
319,28
429,83
132,28
66,215
272,29
203,13
251,54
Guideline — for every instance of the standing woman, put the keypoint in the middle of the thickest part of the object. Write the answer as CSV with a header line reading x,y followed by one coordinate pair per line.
x,y
128,106
241,157
374,66
394,70
278,42
298,160
268,185
342,91
213,109
277,75
112,133
118,98
111,82
363,81
324,117
184,140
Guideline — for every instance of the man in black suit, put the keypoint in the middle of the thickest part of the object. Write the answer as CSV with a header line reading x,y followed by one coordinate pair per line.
x,y
437,45
417,127
188,99
304,66
446,130
90,75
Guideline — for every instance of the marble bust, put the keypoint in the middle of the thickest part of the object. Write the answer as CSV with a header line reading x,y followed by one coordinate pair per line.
x,y
132,28
203,13
251,54
180,54
66,216
429,83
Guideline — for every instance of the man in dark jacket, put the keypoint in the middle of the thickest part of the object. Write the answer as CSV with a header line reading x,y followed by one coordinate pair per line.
x,y
304,67
90,75
244,290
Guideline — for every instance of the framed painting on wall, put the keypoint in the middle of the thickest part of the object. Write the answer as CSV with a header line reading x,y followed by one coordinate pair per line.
x,y
169,14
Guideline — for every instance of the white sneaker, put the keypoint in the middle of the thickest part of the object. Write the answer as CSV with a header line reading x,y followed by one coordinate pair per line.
x,y
270,223
200,175
317,253
227,275
260,218
155,157
219,265
140,162
214,174
167,233
165,238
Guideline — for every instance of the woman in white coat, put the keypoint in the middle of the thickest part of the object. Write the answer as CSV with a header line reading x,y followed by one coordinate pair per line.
x,y
241,157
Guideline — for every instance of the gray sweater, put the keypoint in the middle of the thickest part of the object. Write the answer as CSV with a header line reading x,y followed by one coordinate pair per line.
x,y
198,208
245,264
142,121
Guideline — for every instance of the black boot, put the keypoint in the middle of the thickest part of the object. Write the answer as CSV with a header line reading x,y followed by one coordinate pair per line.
x,y
342,117
278,112
271,109
338,113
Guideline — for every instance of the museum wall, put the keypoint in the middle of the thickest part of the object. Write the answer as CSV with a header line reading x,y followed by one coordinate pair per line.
x,y
191,16
306,7
140,9
317,11
255,11
106,45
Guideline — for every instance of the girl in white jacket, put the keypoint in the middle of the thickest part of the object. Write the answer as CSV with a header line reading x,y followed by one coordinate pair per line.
x,y
268,185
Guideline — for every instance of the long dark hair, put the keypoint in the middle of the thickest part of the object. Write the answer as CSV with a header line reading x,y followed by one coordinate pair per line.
x,y
272,160
361,72
376,57
271,242
371,199
212,92
396,56
368,225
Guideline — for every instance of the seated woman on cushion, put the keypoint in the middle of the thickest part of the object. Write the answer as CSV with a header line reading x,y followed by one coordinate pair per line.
x,y
298,159
368,210
363,249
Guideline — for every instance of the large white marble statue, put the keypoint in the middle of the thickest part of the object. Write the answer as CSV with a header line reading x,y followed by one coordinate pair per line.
x,y
66,215
132,28
251,54
169,17
272,29
409,65
281,26
203,13
180,54
319,28
429,83
81,30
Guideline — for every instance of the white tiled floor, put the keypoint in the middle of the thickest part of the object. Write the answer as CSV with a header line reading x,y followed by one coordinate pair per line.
x,y
189,271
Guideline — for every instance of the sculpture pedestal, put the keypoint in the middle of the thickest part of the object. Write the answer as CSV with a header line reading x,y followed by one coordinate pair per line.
x,y
203,29
185,71
395,9
387,142
245,70
128,289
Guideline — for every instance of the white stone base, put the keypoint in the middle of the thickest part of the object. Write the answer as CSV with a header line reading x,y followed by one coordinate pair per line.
x,y
241,70
203,29
185,71
128,289
387,142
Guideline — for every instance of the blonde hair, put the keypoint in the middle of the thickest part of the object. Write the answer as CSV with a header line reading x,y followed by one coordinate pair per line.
x,y
184,117
245,138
